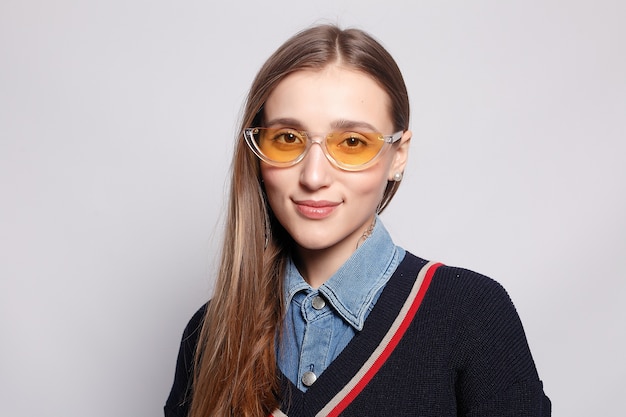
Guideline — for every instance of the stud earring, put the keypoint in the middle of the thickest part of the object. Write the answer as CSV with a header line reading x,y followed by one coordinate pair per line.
x,y
397,177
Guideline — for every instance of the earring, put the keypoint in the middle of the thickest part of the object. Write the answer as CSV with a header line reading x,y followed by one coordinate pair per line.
x,y
397,177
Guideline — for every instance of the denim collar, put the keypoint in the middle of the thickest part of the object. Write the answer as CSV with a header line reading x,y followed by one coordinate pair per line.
x,y
352,289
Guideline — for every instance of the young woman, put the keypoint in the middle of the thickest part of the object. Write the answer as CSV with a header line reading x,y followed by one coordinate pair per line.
x,y
316,312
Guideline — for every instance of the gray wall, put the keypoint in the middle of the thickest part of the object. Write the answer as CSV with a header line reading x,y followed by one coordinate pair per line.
x,y
116,127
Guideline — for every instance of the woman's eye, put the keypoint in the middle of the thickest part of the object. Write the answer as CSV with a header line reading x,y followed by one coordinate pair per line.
x,y
353,141
287,138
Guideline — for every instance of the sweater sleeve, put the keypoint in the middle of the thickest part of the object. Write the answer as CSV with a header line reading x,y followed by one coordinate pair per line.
x,y
179,400
496,374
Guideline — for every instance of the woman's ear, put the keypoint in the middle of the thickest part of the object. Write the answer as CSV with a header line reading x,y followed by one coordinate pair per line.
x,y
400,156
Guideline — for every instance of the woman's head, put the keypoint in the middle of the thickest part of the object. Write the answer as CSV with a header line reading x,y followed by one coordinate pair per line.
x,y
313,50
330,114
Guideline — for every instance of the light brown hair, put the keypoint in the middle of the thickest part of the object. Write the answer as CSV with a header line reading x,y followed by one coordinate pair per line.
x,y
235,370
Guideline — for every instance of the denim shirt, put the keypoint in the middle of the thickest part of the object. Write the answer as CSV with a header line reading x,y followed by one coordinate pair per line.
x,y
319,323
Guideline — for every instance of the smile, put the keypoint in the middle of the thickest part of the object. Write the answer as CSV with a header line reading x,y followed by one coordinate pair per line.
x,y
316,210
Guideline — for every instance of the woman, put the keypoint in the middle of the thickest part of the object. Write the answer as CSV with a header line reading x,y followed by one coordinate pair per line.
x,y
316,311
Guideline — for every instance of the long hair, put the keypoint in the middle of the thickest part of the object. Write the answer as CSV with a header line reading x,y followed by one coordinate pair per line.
x,y
235,371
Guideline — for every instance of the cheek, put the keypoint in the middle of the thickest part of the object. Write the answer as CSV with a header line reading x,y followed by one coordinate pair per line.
x,y
378,176
369,185
275,180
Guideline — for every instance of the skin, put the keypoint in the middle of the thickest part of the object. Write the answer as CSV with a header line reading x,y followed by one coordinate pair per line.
x,y
325,209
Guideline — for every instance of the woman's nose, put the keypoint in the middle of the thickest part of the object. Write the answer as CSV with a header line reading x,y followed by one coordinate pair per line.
x,y
316,170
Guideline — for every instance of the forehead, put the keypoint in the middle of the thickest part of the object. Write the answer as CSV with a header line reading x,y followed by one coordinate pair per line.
x,y
318,99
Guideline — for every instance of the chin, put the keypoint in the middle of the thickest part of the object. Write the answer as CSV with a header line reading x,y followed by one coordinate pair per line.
x,y
312,245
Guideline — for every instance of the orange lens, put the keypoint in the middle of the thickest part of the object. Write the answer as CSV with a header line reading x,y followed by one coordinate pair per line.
x,y
281,145
354,148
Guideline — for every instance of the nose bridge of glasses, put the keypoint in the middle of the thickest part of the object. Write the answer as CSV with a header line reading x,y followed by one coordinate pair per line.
x,y
319,138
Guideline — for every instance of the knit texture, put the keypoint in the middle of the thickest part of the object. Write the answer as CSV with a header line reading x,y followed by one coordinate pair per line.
x,y
464,354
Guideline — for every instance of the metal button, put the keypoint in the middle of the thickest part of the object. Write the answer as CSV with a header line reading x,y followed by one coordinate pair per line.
x,y
308,378
318,302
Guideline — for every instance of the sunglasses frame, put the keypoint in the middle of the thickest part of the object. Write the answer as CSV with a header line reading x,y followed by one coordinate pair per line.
x,y
249,133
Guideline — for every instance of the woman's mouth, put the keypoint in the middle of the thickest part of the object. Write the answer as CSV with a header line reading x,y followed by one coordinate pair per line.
x,y
316,210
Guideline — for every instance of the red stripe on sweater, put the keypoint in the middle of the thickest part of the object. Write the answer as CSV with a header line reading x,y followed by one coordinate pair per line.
x,y
380,361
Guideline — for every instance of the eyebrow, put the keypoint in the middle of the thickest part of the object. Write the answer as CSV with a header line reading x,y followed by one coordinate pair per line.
x,y
337,124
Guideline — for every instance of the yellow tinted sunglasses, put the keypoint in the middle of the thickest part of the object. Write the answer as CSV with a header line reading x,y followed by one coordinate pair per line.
x,y
348,150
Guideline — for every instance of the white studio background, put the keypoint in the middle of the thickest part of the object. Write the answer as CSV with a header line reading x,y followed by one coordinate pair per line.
x,y
116,127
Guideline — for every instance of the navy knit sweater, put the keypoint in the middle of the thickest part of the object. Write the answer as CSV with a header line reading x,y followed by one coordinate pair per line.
x,y
464,353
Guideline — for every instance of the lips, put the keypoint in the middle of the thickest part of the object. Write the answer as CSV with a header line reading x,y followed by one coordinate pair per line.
x,y
316,209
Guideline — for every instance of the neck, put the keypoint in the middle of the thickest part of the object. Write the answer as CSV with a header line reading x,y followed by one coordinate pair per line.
x,y
318,265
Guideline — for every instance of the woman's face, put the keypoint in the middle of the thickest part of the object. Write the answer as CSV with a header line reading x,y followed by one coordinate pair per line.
x,y
321,206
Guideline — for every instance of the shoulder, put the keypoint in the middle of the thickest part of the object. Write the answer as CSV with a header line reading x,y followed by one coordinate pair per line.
x,y
473,317
490,349
469,285
480,318
469,299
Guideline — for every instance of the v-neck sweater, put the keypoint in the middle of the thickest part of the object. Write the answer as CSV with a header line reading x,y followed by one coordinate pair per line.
x,y
464,353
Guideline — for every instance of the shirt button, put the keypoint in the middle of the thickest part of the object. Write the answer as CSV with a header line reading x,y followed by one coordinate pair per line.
x,y
318,302
308,378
